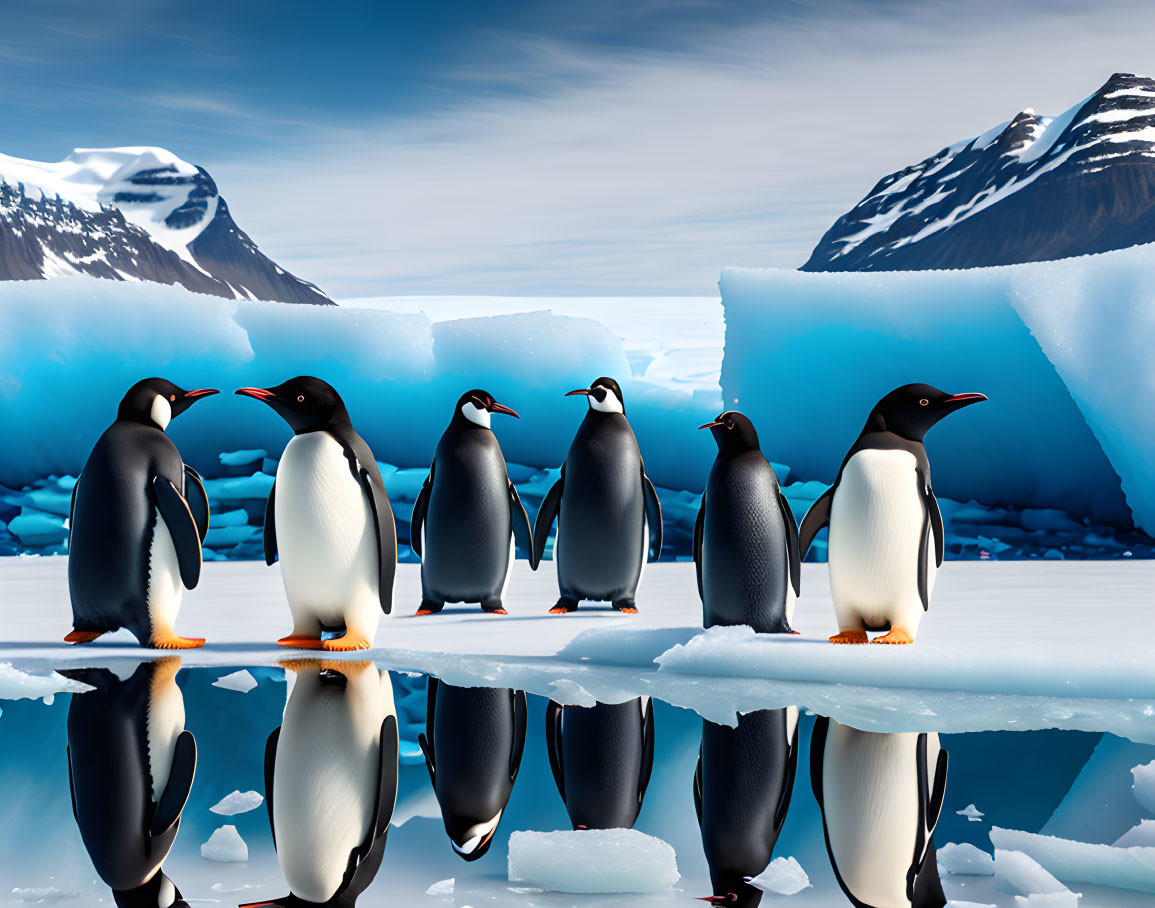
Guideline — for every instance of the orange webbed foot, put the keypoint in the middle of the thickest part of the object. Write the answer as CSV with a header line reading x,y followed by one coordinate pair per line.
x,y
172,641
896,636
628,610
495,611
348,642
299,641
849,637
559,610
423,611
82,636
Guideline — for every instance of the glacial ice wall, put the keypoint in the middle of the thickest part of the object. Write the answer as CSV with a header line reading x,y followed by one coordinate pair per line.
x,y
1059,347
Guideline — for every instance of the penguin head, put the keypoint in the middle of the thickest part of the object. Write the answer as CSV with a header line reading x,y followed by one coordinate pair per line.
x,y
155,401
305,403
603,396
910,411
733,432
158,892
471,839
475,407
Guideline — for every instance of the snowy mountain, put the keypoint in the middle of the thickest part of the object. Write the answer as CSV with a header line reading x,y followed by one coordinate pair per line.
x,y
138,214
1032,189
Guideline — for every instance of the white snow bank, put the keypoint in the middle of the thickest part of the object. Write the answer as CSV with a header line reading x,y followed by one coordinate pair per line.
x,y
782,875
18,685
955,903
225,846
1144,785
241,681
964,859
1104,865
1018,872
1143,834
1048,900
237,802
810,353
592,861
442,887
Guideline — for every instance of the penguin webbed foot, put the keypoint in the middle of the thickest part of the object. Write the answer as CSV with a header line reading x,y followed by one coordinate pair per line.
x,y
564,606
493,607
626,606
169,640
79,637
300,641
849,637
348,642
896,636
429,607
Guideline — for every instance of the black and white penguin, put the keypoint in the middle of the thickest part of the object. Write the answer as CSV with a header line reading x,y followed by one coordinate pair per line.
x,y
742,789
137,521
131,764
473,742
601,757
745,537
468,514
329,519
880,797
606,508
331,781
886,532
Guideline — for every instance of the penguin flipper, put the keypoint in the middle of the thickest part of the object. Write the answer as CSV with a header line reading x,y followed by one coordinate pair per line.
x,y
72,510
934,515
793,552
816,518
270,532
817,754
787,783
699,526
420,509
386,536
647,767
931,791
698,788
270,774
653,516
386,780
520,717
182,527
198,499
425,738
180,780
522,531
553,745
546,515
71,783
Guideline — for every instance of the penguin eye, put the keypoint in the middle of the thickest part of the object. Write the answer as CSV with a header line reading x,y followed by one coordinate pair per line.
x,y
923,402
729,424
300,398
172,397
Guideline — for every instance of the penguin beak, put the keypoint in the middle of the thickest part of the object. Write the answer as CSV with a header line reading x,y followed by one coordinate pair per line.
x,y
958,401
257,393
495,407
200,392
710,425
584,391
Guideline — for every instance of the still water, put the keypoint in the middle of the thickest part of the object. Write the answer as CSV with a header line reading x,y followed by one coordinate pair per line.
x,y
364,786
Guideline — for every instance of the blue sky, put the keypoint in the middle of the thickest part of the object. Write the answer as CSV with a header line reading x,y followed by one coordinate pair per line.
x,y
544,147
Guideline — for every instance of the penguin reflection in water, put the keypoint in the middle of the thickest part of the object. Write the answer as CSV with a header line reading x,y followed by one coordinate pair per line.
x,y
742,789
886,531
136,523
473,741
468,514
329,519
745,538
605,506
130,770
880,797
331,781
601,757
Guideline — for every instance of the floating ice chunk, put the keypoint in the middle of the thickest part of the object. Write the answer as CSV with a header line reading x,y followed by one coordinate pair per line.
x,y
241,681
965,860
971,812
1142,835
18,685
47,894
1105,865
1048,900
592,861
237,802
1144,786
225,846
443,887
1019,872
242,458
783,875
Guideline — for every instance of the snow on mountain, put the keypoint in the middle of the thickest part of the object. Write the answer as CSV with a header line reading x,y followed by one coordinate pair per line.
x,y
138,214
1032,189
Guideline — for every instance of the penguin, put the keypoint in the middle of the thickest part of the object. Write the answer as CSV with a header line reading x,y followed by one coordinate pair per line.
x,y
605,507
468,514
886,532
131,764
136,523
745,537
601,757
880,797
473,741
329,519
331,781
742,788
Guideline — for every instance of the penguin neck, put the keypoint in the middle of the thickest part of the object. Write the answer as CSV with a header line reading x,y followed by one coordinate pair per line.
x,y
876,428
462,424
337,425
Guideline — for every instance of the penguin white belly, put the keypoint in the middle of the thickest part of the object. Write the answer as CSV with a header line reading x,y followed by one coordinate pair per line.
x,y
870,802
326,777
165,587
325,533
876,526
164,722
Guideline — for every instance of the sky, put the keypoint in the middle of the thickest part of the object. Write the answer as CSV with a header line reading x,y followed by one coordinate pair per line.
x,y
607,147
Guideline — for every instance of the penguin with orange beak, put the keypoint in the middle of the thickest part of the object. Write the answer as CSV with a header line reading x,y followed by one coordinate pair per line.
x,y
468,515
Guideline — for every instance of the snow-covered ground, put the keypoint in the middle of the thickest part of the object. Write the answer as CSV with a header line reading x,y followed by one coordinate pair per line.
x,y
1005,645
